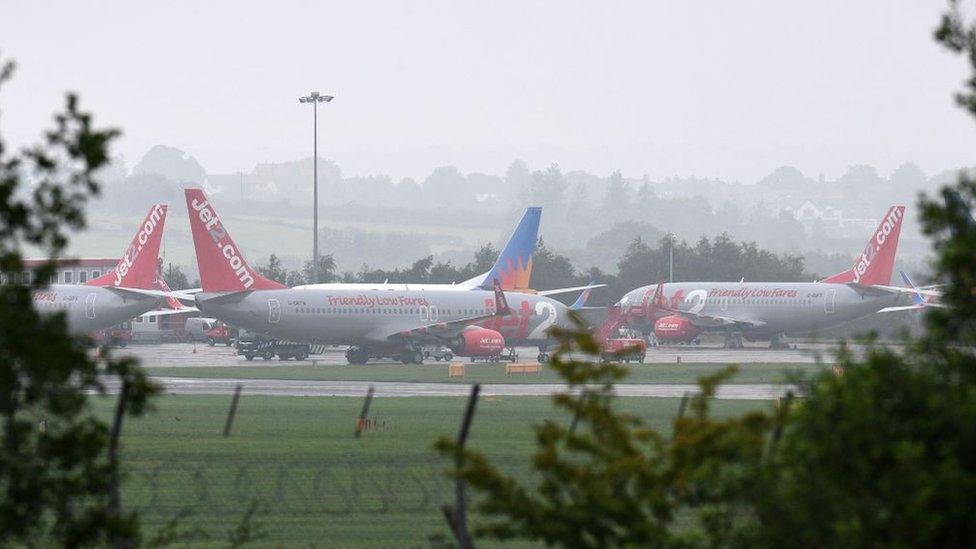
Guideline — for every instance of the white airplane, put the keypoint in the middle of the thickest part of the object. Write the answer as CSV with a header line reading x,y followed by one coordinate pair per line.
x,y
681,311
124,292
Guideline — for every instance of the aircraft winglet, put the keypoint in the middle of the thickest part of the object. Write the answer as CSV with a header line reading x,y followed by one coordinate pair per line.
x,y
501,304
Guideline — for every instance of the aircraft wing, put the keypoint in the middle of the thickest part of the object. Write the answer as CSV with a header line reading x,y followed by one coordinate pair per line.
x,y
167,312
137,292
912,307
567,290
451,328
715,321
881,289
186,294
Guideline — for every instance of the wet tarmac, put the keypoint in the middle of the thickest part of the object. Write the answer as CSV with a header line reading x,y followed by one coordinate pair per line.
x,y
281,387
183,355
201,355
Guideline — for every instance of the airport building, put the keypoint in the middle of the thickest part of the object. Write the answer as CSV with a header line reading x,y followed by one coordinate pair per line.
x,y
69,271
148,327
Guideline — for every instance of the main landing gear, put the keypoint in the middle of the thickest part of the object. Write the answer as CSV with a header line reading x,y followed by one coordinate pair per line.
x,y
733,340
776,342
412,356
357,355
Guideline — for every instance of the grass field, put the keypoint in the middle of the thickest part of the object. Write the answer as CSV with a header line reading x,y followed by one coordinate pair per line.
x,y
484,373
317,485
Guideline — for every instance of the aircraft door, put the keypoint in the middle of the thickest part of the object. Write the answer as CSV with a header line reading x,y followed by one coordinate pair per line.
x,y
829,301
274,311
424,313
433,313
90,306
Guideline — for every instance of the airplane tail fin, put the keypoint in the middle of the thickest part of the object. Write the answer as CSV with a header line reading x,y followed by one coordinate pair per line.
x,y
917,296
514,264
875,264
222,266
581,300
137,268
160,284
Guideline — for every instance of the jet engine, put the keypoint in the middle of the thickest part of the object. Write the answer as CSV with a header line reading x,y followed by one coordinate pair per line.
x,y
675,328
477,341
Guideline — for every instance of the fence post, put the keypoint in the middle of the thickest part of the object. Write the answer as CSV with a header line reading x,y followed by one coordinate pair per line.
x,y
683,405
783,408
233,410
457,516
360,423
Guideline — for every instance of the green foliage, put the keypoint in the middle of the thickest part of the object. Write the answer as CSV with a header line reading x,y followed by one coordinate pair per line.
x,y
607,479
326,271
882,455
273,270
56,479
886,453
175,278
305,275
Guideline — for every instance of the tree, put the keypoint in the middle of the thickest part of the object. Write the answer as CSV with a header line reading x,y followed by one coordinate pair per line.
x,y
606,479
882,454
546,188
175,278
59,466
273,270
171,163
447,185
786,178
617,197
326,271
550,269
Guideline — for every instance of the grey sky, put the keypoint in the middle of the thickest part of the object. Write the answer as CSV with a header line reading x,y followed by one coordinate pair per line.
x,y
717,89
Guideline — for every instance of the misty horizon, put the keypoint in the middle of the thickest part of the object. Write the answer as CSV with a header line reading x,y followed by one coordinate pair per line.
x,y
708,91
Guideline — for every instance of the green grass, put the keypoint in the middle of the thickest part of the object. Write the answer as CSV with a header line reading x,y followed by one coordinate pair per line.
x,y
316,484
484,373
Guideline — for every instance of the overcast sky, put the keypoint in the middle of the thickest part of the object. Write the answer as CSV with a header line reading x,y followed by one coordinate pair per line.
x,y
716,89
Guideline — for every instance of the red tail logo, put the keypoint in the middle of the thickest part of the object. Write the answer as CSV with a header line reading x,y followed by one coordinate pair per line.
x,y
222,267
137,268
877,261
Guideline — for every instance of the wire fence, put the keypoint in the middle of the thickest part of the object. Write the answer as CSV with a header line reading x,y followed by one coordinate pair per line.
x,y
404,485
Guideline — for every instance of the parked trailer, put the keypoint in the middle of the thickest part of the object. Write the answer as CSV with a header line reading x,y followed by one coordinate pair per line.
x,y
267,348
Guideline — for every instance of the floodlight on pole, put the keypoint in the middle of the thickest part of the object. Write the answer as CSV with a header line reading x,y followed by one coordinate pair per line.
x,y
671,238
315,98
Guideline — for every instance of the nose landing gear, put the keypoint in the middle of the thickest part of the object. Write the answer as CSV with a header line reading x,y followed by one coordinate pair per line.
x,y
543,355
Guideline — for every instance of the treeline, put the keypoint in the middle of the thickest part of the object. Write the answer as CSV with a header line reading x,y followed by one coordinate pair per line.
x,y
712,260
592,217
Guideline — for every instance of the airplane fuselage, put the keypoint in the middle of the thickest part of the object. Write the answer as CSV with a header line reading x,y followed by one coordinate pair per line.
x,y
374,317
774,308
91,308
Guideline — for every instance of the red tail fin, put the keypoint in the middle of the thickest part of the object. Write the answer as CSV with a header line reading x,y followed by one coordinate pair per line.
x,y
877,261
160,284
137,268
222,267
